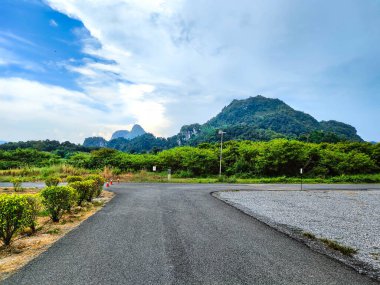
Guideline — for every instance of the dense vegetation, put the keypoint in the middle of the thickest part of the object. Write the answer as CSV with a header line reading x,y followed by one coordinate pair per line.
x,y
245,159
62,150
256,119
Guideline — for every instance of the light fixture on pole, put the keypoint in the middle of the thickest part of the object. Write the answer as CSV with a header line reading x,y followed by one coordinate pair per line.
x,y
221,133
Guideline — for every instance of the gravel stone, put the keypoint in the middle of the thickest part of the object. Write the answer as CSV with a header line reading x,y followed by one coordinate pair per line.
x,y
351,218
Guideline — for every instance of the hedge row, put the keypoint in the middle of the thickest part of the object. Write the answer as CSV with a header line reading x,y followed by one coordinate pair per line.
x,y
18,212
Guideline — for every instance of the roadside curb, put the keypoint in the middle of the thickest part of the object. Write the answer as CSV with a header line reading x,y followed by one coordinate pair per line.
x,y
297,234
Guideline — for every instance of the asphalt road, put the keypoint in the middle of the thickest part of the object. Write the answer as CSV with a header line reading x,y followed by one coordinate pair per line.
x,y
180,234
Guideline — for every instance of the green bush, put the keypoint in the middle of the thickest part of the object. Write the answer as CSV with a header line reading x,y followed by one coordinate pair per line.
x,y
17,184
14,215
86,190
99,182
52,181
71,179
57,200
34,209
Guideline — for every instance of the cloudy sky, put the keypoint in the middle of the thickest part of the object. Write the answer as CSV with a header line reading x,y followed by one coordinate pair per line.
x,y
70,69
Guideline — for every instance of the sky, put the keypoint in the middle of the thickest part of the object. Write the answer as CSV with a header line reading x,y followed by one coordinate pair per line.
x,y
71,69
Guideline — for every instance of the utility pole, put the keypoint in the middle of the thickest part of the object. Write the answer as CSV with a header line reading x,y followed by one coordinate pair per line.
x,y
221,133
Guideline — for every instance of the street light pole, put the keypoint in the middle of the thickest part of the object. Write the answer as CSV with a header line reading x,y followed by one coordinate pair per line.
x,y
221,133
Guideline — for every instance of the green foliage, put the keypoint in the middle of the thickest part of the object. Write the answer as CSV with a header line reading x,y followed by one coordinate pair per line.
x,y
52,181
63,150
98,182
71,179
26,157
17,184
15,214
34,209
242,159
86,190
57,200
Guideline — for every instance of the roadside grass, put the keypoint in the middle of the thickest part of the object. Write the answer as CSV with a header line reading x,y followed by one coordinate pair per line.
x,y
153,177
34,174
332,244
345,250
309,235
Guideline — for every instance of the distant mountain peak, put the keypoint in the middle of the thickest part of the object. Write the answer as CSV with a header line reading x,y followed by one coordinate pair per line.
x,y
136,131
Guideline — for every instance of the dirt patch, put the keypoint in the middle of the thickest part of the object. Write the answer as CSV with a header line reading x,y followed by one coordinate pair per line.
x,y
24,248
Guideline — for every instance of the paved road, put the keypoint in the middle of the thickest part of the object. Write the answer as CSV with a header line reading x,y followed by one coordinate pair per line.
x,y
180,234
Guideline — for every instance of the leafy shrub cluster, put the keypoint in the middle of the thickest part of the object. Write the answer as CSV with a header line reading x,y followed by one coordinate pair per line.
x,y
52,181
57,200
17,184
87,188
71,179
18,212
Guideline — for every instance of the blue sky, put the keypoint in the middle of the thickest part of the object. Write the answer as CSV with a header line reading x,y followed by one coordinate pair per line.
x,y
77,68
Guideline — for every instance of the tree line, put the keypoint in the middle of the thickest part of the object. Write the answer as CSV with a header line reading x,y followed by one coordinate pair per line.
x,y
279,157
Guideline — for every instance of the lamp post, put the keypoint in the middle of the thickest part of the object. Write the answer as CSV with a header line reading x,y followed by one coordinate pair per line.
x,y
221,133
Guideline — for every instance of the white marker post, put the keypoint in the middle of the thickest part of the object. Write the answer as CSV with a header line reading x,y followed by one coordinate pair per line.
x,y
301,172
154,168
169,173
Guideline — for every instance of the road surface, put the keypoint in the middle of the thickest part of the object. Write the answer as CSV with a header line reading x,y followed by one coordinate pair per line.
x,y
180,234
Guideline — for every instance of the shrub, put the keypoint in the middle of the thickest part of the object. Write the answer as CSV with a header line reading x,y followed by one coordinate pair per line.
x,y
14,215
71,179
57,200
99,182
17,184
86,190
52,181
34,209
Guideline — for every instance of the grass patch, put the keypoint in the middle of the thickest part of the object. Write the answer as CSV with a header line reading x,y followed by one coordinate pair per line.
x,y
345,250
309,235
55,231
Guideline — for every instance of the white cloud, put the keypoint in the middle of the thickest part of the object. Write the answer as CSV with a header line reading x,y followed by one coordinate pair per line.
x,y
181,61
31,110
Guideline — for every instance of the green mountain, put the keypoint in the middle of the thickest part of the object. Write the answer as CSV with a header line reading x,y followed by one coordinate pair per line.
x,y
256,118
261,119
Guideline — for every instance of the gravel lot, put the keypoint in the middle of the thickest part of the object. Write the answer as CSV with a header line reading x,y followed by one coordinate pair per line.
x,y
352,218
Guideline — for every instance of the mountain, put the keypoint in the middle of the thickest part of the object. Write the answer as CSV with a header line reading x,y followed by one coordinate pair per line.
x,y
255,118
260,119
136,131
3,142
95,142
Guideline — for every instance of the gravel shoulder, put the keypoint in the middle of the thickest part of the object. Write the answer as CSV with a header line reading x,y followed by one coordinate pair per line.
x,y
351,218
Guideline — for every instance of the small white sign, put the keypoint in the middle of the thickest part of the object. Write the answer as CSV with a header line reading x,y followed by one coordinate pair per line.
x,y
301,170
154,168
